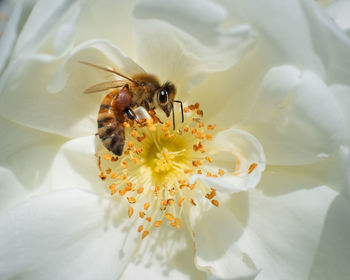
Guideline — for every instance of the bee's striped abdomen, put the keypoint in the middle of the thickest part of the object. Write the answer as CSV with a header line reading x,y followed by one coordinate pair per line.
x,y
110,124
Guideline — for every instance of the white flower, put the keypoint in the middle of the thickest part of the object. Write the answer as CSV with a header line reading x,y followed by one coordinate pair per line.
x,y
272,77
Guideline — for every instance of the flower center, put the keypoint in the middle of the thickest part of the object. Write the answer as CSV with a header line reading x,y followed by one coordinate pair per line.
x,y
154,171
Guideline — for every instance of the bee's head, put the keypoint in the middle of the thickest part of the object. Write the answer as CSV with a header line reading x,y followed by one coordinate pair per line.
x,y
164,96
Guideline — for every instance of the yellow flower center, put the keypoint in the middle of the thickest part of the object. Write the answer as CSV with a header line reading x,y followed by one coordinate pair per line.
x,y
153,172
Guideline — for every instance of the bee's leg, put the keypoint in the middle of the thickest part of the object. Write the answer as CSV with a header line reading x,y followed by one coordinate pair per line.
x,y
145,104
130,114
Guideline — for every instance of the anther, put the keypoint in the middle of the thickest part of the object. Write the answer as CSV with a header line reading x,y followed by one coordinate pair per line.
x,y
215,202
146,206
130,211
169,217
131,199
107,156
252,167
157,223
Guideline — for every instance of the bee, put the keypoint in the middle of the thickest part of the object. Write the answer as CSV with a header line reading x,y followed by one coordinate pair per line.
x,y
128,93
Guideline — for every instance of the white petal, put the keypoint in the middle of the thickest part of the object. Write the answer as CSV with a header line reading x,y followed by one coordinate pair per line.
x,y
306,37
296,118
11,191
236,152
282,231
107,20
18,138
216,232
339,11
69,112
45,15
181,42
75,166
166,253
65,34
332,257
64,235
342,94
9,36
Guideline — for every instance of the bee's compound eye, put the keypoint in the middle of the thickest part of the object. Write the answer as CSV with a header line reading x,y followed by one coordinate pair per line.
x,y
163,97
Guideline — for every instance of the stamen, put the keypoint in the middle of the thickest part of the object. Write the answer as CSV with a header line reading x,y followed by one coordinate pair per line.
x,y
154,170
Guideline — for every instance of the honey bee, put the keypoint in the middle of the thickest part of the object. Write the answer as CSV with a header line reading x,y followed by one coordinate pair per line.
x,y
130,92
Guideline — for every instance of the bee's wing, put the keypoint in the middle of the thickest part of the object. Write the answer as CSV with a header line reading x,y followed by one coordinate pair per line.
x,y
109,70
105,86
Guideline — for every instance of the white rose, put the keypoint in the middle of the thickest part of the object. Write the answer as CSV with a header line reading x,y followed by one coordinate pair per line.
x,y
272,77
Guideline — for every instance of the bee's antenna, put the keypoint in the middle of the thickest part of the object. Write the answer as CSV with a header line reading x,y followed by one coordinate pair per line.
x,y
182,109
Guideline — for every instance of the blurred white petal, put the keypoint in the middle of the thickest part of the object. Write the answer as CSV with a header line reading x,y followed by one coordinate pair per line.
x,y
296,117
64,234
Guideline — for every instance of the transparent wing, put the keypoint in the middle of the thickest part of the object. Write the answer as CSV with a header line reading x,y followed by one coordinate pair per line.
x,y
105,86
108,70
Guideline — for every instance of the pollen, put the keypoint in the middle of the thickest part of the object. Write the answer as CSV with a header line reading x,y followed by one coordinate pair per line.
x,y
154,171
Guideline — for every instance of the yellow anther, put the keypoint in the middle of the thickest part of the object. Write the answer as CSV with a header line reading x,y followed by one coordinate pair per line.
x,y
134,133
157,223
112,188
171,202
252,167
140,228
186,171
148,219
169,216
142,214
136,160
146,206
181,200
114,159
107,156
209,137
138,151
211,194
130,211
124,164
131,144
172,192
131,199
208,158
140,190
215,202
186,128
122,192
144,234
126,124
211,126
114,175
193,203
102,176
221,172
